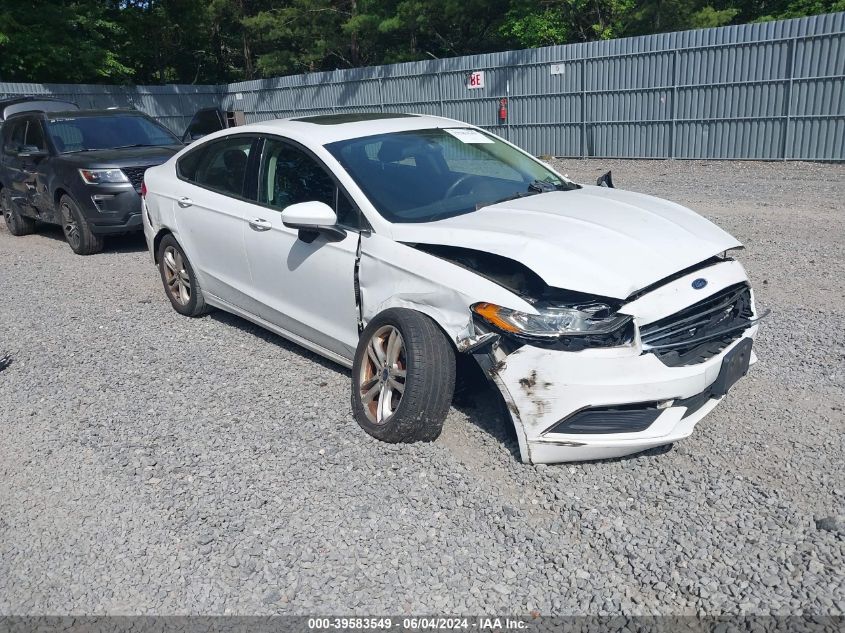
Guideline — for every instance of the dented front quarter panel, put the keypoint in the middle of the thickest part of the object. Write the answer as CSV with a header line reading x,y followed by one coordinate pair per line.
x,y
393,275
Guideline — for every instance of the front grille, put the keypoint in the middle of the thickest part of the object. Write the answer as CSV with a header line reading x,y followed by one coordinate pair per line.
x,y
135,175
702,330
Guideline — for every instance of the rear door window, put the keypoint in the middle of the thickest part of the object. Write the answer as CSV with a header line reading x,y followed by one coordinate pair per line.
x,y
219,165
35,135
14,134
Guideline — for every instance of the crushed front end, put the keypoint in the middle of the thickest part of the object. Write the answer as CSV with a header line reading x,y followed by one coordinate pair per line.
x,y
674,351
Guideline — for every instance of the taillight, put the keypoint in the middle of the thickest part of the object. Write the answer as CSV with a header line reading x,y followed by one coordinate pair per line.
x,y
143,190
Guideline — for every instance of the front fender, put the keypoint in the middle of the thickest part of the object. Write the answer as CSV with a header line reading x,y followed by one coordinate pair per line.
x,y
393,275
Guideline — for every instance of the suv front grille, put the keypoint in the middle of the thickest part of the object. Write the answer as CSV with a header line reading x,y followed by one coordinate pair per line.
x,y
702,330
135,175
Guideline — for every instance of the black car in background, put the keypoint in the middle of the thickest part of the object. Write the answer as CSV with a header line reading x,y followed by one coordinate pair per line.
x,y
80,169
210,120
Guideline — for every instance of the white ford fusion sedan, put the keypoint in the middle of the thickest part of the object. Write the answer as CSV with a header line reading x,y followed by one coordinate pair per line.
x,y
610,321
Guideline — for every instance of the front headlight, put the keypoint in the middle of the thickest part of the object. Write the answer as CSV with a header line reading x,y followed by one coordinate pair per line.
x,y
102,176
593,324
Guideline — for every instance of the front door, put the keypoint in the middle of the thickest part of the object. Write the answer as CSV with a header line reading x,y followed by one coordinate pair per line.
x,y
305,288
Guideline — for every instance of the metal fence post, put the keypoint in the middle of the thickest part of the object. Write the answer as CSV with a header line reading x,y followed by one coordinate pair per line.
x,y
787,124
672,149
440,90
584,151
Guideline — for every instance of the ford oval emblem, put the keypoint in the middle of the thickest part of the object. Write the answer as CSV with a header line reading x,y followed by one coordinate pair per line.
x,y
699,283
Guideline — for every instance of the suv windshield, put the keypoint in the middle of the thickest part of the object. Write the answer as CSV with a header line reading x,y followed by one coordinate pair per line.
x,y
428,175
109,131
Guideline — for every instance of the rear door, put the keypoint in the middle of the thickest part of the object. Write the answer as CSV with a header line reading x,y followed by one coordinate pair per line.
x,y
211,210
14,177
35,172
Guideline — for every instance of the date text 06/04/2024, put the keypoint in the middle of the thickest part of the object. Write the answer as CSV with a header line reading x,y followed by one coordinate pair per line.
x,y
417,623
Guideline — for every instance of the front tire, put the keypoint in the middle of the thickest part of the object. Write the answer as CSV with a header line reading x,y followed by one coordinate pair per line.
x,y
16,223
180,282
77,230
403,377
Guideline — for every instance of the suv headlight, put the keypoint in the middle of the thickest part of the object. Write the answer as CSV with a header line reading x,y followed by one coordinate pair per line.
x,y
102,176
575,327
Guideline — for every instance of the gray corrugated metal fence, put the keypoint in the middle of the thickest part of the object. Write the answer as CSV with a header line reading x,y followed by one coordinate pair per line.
x,y
757,91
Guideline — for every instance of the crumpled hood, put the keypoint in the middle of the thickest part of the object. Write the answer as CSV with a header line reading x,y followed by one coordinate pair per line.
x,y
596,240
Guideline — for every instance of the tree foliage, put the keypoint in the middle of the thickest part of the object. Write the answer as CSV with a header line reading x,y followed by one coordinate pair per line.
x,y
216,41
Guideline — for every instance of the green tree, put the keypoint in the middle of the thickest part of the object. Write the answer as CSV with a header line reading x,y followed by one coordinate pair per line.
x,y
62,42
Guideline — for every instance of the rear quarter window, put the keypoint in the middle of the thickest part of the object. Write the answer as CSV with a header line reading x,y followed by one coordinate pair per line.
x,y
186,167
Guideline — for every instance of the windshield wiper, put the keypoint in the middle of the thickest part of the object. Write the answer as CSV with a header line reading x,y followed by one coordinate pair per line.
x,y
538,186
136,145
543,186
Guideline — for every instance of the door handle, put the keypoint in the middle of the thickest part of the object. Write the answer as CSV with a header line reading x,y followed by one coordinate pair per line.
x,y
184,202
259,224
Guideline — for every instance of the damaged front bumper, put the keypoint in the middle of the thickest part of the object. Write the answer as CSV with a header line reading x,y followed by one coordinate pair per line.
x,y
605,403
544,389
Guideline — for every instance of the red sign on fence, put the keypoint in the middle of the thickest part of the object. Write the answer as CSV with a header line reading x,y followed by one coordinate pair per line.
x,y
475,79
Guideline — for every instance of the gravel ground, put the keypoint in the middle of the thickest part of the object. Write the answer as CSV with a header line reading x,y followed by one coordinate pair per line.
x,y
155,464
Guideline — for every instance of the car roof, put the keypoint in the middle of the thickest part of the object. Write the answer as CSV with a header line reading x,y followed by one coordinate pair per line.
x,y
324,129
34,99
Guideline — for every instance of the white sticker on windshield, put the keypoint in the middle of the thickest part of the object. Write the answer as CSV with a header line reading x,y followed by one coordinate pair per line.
x,y
466,135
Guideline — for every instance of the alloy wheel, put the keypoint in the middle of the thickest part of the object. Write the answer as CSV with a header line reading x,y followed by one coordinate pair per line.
x,y
176,276
381,382
71,227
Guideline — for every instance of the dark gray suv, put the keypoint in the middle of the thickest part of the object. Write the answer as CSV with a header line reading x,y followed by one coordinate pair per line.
x,y
80,169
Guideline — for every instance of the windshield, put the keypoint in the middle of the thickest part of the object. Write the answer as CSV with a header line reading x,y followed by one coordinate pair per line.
x,y
427,175
109,131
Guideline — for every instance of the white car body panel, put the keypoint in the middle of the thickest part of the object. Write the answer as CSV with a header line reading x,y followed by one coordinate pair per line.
x,y
594,240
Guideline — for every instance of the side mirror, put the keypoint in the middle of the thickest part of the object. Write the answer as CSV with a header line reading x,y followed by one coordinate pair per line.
x,y
313,219
31,151
605,180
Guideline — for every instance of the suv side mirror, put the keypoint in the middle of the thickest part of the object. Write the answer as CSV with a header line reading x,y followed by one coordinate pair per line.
x,y
31,151
312,219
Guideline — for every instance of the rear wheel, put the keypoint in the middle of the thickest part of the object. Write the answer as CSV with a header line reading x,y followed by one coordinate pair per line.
x,y
16,223
403,377
77,230
180,283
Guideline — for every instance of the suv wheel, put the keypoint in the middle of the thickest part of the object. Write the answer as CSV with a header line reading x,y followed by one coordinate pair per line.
x,y
77,229
180,283
15,222
403,377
